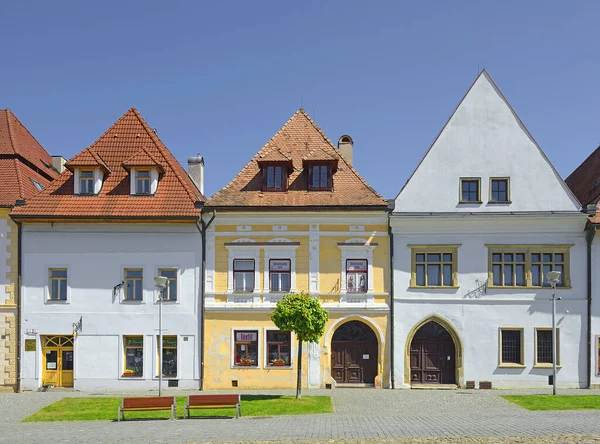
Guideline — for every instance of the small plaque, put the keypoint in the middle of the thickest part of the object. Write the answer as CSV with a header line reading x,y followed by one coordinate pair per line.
x,y
30,345
365,356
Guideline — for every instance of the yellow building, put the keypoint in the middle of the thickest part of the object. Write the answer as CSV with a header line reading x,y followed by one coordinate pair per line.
x,y
297,218
25,168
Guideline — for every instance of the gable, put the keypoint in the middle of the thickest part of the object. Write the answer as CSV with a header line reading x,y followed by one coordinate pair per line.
x,y
484,138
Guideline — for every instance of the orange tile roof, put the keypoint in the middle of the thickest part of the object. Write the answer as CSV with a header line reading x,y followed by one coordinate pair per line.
x,y
175,198
298,138
87,158
142,158
584,182
22,159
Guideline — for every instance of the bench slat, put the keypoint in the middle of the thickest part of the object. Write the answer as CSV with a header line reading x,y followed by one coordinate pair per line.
x,y
148,402
200,400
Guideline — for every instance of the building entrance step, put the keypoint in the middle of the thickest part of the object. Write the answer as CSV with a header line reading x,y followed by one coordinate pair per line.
x,y
434,387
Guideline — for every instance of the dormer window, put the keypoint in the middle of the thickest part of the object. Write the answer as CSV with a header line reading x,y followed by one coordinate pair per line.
x,y
319,178
86,182
142,182
275,177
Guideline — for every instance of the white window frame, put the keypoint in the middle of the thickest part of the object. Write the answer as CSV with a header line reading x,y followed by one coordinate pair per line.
x,y
357,249
278,251
293,351
133,181
243,252
258,347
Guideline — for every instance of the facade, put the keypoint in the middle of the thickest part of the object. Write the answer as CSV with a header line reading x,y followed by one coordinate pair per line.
x,y
122,213
297,217
25,168
475,229
584,182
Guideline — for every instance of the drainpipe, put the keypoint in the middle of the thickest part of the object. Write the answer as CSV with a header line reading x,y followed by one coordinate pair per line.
x,y
202,228
19,304
391,237
589,237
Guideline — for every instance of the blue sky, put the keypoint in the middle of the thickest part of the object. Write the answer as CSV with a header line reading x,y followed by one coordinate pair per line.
x,y
219,78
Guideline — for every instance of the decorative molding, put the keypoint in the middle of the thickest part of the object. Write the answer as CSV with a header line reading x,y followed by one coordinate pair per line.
x,y
243,228
280,227
313,259
357,228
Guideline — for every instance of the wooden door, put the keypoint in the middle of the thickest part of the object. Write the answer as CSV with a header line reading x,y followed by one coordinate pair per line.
x,y
57,361
432,356
354,354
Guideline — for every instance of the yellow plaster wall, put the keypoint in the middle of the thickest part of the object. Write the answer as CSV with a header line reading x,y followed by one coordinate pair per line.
x,y
8,299
261,227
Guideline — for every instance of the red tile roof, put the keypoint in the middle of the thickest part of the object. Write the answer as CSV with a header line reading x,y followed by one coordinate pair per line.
x,y
175,198
142,159
584,182
298,138
22,159
87,158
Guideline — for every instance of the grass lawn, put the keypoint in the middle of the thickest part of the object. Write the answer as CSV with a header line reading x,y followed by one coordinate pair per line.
x,y
558,402
89,409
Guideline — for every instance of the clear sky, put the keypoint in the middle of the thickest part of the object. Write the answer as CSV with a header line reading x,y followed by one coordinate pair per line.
x,y
219,78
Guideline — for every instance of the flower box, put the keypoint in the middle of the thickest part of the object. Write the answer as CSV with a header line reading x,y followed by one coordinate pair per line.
x,y
131,375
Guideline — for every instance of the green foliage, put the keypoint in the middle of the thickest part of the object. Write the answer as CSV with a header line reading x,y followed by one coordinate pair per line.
x,y
559,402
301,314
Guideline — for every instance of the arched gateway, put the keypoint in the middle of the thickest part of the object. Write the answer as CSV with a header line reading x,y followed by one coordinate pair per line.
x,y
432,356
354,354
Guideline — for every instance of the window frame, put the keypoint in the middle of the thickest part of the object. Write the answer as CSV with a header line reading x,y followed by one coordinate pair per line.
x,y
59,279
460,190
536,363
440,249
328,186
364,271
289,273
134,279
235,342
143,179
252,272
508,197
169,347
88,180
283,173
125,347
268,364
528,250
167,288
501,362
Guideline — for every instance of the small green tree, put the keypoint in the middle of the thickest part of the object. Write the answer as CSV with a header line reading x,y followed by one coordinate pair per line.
x,y
303,315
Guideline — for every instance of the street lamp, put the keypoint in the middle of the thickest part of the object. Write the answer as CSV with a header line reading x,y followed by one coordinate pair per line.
x,y
553,278
161,283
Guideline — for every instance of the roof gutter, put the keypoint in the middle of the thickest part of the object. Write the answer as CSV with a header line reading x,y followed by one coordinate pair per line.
x,y
299,208
392,370
19,302
589,237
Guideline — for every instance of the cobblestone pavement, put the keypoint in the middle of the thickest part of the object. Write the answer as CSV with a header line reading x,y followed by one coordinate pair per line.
x,y
360,415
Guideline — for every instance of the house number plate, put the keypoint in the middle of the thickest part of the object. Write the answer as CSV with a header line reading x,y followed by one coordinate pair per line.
x,y
365,356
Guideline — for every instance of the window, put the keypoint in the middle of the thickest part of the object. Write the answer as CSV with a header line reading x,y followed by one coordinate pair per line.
x,y
470,190
243,275
142,182
280,274
511,347
508,269
499,190
278,348
38,186
319,177
275,178
246,348
134,355
434,266
170,291
543,346
527,265
58,284
86,182
169,356
134,284
356,275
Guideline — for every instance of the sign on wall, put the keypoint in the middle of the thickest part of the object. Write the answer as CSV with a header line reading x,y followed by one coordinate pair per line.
x,y
30,345
246,337
280,265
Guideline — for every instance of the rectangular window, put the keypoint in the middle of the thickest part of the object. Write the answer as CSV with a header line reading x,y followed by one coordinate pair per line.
x,y
86,182
319,177
243,275
170,291
134,355
169,356
134,284
356,275
278,348
499,190
246,348
434,269
543,349
142,182
275,178
58,284
470,190
542,263
508,269
511,341
280,274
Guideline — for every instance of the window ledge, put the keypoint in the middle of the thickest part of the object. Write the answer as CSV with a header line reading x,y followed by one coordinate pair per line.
x,y
512,366
499,202
132,301
549,366
244,367
473,202
131,376
278,367
439,287
58,301
523,287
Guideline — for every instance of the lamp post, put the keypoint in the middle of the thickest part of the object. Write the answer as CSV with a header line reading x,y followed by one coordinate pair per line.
x,y
161,283
553,278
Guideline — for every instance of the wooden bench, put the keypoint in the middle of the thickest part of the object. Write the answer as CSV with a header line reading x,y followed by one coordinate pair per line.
x,y
147,403
212,402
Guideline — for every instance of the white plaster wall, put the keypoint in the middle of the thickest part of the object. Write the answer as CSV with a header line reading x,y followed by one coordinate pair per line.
x,y
4,256
484,138
95,256
477,317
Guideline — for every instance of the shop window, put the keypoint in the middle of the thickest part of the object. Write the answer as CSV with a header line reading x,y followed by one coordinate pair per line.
x,y
246,348
134,355
169,356
278,348
280,274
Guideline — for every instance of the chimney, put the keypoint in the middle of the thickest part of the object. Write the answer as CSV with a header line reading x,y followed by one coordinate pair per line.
x,y
58,162
196,171
345,146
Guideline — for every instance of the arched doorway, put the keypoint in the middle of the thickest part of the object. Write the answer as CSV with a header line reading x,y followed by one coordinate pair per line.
x,y
354,354
432,356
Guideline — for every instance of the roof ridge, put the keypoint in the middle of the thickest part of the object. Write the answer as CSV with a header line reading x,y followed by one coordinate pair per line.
x,y
10,131
161,146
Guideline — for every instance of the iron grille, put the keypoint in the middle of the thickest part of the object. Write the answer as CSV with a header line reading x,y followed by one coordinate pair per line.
x,y
544,346
511,346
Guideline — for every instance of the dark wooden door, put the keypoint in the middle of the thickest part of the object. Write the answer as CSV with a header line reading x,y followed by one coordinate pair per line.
x,y
432,356
354,354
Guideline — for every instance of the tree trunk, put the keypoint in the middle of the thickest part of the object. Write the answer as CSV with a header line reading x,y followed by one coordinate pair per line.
x,y
299,378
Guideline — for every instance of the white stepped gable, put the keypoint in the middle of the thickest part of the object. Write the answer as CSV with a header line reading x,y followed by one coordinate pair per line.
x,y
484,138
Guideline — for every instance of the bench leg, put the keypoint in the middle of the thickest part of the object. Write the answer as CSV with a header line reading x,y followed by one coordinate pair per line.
x,y
118,414
237,411
185,407
173,413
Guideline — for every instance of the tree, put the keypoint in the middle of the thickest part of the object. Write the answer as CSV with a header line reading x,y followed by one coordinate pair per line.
x,y
303,315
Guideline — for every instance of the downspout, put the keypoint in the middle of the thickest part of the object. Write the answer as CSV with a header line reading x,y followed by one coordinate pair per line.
x,y
202,228
391,237
589,237
19,303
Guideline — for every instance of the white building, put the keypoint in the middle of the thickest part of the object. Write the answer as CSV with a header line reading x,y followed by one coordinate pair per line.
x,y
478,224
92,243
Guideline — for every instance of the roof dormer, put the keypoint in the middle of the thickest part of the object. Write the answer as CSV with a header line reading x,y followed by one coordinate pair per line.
x,y
89,172
320,166
276,168
144,173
